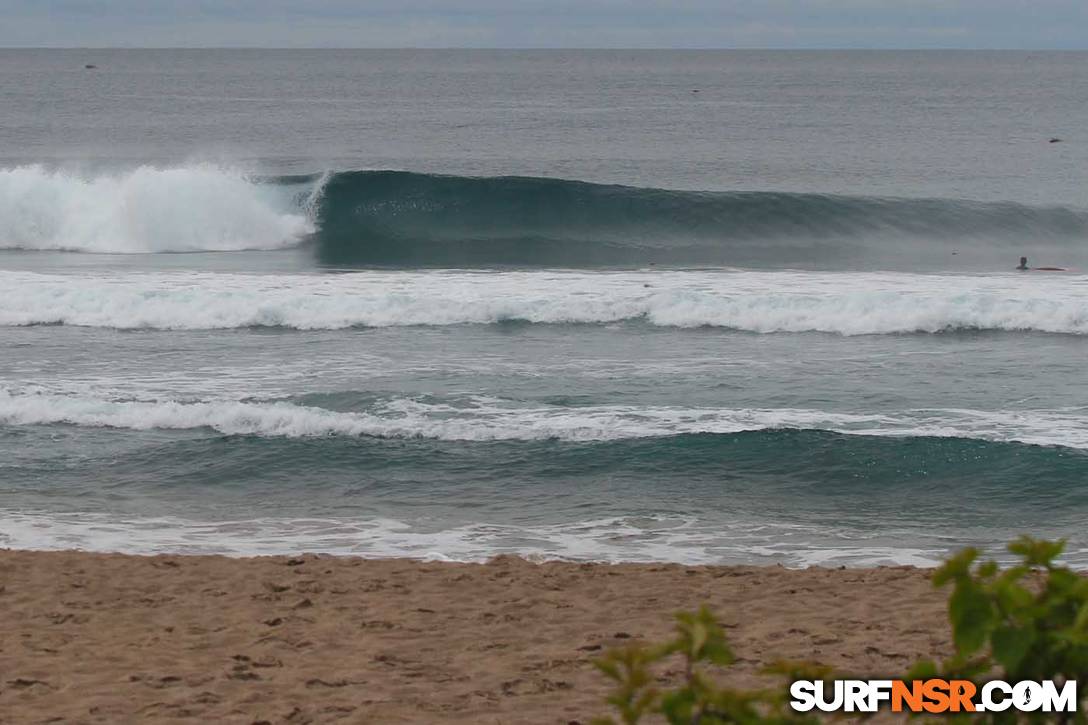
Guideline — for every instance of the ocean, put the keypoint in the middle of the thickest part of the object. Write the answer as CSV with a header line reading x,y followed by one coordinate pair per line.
x,y
705,307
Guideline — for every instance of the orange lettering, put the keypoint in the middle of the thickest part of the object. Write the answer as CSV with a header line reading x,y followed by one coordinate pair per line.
x,y
912,697
936,694
962,691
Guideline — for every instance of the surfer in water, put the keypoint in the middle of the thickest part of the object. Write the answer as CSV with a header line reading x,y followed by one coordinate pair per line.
x,y
1025,268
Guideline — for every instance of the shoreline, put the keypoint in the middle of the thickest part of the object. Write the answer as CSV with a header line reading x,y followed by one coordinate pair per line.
x,y
94,637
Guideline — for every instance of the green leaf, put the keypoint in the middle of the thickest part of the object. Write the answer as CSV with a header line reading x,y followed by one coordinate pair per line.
x,y
1081,622
699,636
1037,552
608,667
922,670
972,616
718,653
956,567
1013,574
1010,645
677,706
1063,582
1013,598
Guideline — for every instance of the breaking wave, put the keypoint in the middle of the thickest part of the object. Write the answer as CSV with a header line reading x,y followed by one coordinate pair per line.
x,y
765,302
488,419
189,209
392,218
404,219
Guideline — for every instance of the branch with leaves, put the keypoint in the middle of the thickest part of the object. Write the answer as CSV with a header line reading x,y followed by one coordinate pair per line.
x,y
699,641
1026,622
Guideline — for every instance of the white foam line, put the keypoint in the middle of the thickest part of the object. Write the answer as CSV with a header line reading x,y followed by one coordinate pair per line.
x,y
654,538
485,419
617,539
765,302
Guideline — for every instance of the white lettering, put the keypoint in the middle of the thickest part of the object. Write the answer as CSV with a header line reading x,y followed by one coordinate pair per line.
x,y
803,693
989,703
855,696
1064,701
1027,696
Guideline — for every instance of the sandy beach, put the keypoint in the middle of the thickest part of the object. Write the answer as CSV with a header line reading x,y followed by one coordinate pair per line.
x,y
113,638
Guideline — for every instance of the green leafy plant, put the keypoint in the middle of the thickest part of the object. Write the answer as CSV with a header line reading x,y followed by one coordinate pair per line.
x,y
699,641
1026,622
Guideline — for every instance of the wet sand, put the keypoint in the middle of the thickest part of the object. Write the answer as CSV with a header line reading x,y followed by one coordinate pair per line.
x,y
105,638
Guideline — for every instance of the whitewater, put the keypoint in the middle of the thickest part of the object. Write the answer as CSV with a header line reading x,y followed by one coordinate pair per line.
x,y
503,305
409,220
196,207
843,303
488,419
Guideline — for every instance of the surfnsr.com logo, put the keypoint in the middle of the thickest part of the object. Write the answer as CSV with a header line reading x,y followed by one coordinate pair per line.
x,y
933,696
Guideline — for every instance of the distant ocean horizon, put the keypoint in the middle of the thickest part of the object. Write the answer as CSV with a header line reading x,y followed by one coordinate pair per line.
x,y
695,306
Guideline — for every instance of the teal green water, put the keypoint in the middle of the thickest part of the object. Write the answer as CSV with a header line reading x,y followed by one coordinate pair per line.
x,y
452,305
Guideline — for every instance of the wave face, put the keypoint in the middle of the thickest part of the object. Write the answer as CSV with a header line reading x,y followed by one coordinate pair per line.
x,y
765,302
408,219
404,219
189,209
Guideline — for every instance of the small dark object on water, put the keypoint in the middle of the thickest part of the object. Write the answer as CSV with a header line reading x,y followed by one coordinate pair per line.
x,y
1025,268
90,66
1055,140
694,90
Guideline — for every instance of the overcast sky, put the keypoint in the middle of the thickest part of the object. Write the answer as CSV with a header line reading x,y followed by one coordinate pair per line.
x,y
1035,24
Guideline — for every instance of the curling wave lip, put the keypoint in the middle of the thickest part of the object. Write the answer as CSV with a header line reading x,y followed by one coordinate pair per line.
x,y
404,219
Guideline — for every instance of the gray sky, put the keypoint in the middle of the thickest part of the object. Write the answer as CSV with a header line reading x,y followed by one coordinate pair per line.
x,y
1035,24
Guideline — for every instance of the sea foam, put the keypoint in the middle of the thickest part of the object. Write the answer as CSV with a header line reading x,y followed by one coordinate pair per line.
x,y
400,219
488,419
615,539
764,302
147,209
